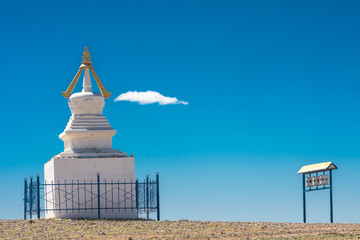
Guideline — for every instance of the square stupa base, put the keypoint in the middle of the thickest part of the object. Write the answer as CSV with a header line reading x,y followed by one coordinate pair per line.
x,y
66,195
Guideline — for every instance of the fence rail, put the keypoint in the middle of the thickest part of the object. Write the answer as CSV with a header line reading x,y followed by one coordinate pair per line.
x,y
100,197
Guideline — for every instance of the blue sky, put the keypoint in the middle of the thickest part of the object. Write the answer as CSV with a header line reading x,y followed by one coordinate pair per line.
x,y
271,86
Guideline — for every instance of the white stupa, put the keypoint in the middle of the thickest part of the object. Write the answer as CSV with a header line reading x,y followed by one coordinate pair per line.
x,y
87,149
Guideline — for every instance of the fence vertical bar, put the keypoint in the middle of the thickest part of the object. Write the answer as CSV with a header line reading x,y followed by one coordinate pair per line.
x,y
106,208
125,195
112,196
45,195
53,195
59,197
132,195
85,203
157,197
38,195
30,195
118,197
147,197
98,190
72,195
91,195
25,197
144,202
65,196
304,200
331,199
137,197
78,190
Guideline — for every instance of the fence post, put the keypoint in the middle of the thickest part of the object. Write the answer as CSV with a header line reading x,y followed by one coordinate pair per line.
x,y
137,197
147,197
157,196
25,197
98,190
38,195
30,195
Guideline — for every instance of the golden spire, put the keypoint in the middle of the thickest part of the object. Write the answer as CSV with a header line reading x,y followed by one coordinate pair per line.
x,y
86,64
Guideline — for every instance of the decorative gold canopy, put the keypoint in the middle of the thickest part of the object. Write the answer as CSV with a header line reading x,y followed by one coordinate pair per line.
x,y
86,64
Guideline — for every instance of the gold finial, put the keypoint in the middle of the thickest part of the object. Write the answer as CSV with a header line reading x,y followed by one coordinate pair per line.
x,y
86,55
86,65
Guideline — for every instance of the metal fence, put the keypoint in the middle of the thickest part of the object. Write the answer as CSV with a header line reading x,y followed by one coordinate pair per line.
x,y
98,197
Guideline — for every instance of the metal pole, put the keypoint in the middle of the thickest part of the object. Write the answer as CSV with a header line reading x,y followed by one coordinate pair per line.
x,y
157,197
137,197
59,196
38,195
98,188
304,200
30,195
25,197
331,199
147,197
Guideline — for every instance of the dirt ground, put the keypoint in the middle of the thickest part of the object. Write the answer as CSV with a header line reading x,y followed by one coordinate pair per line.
x,y
133,230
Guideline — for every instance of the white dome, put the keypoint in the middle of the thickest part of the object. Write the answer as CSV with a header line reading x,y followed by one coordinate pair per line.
x,y
83,103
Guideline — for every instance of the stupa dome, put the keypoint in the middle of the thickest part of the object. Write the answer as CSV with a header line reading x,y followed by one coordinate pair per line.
x,y
83,103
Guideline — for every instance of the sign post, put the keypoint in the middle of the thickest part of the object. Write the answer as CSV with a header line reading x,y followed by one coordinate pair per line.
x,y
317,177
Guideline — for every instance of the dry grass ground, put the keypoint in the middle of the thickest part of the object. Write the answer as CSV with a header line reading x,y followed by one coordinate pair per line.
x,y
117,229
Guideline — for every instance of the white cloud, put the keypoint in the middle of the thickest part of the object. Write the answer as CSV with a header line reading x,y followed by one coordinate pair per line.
x,y
148,97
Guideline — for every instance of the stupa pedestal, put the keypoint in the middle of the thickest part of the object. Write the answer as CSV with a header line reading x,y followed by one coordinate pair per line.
x,y
71,171
87,153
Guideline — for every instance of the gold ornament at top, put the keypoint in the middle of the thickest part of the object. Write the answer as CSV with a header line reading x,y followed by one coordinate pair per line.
x,y
86,65
86,55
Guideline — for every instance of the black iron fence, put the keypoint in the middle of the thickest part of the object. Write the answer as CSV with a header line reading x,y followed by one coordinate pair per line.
x,y
99,198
